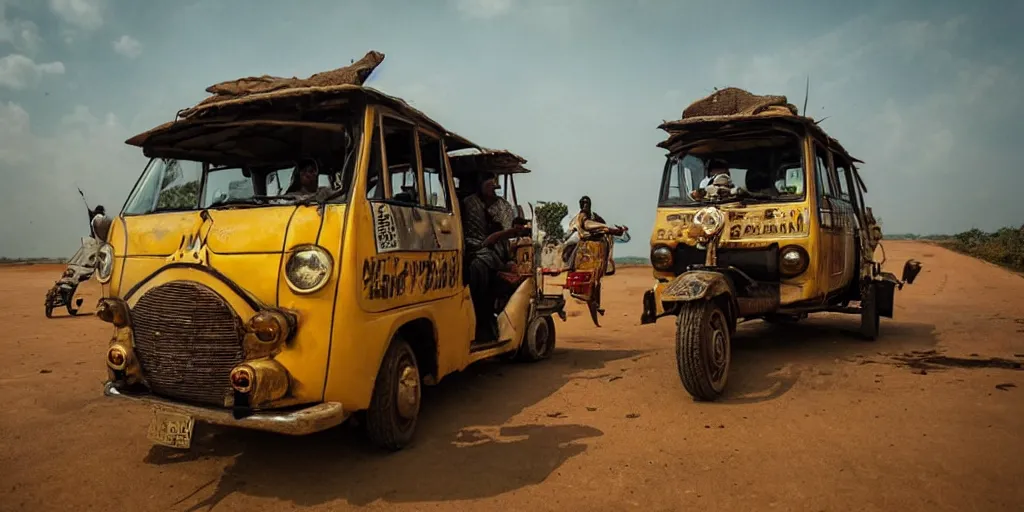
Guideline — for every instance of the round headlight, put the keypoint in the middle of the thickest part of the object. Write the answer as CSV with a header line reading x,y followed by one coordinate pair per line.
x,y
308,269
710,219
104,263
661,258
793,260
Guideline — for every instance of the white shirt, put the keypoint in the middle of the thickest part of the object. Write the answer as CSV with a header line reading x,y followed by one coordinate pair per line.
x,y
707,180
96,220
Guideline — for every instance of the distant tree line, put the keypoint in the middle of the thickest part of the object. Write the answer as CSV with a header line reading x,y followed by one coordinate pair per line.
x,y
1003,247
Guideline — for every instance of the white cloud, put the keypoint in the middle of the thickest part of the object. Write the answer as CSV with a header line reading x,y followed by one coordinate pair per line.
x,y
20,72
39,180
23,35
128,46
483,9
83,14
910,132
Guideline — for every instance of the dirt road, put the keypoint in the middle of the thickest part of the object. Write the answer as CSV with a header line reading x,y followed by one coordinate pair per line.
x,y
815,419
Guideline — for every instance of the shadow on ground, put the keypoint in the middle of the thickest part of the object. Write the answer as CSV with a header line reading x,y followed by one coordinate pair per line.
x,y
461,450
768,360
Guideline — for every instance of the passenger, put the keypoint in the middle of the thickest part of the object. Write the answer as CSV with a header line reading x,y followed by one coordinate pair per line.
x,y
482,214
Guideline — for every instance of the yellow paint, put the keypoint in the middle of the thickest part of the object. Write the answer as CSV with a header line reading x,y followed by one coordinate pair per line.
x,y
233,231
345,327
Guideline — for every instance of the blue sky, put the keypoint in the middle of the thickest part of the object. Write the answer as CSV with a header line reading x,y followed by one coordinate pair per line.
x,y
927,93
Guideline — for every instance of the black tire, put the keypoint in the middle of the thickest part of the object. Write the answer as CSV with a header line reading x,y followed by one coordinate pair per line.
x,y
870,322
703,349
49,311
389,425
538,340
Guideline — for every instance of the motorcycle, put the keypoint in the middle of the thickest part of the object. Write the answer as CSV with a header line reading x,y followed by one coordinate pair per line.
x,y
80,269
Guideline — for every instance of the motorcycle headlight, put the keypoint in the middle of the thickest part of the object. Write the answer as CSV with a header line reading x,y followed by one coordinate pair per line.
x,y
105,263
710,219
308,268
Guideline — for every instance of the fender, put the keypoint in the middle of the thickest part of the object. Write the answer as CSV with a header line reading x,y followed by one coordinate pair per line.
x,y
698,285
702,285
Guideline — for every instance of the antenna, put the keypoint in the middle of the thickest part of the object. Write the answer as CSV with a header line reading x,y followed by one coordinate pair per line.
x,y
807,90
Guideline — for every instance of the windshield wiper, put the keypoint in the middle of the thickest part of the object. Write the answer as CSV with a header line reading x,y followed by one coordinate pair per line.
x,y
162,209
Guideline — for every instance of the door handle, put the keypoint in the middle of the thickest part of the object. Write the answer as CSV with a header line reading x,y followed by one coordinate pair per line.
x,y
446,226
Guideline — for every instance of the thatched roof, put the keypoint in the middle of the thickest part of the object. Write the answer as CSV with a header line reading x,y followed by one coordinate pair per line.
x,y
268,109
733,101
353,74
498,161
733,109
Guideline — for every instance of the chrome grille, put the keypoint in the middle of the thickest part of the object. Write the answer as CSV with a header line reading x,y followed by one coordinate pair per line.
x,y
187,339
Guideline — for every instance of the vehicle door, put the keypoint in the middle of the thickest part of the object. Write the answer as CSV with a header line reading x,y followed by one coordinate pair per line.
x,y
416,254
830,256
846,219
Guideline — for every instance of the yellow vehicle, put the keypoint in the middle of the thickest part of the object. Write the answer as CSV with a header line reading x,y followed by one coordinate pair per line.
x,y
248,290
761,215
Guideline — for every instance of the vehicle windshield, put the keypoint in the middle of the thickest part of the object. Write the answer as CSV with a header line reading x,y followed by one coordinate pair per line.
x,y
169,184
768,169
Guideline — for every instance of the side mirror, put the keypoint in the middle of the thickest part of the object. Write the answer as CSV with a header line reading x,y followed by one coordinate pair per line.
x,y
910,271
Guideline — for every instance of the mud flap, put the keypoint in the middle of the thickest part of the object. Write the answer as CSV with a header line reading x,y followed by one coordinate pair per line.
x,y
649,314
885,291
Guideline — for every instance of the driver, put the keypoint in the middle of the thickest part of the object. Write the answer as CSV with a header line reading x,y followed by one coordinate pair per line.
x,y
587,224
717,174
306,178
485,222
96,222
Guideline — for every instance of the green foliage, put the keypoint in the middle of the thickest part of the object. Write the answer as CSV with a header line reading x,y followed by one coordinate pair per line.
x,y
185,195
1004,247
549,220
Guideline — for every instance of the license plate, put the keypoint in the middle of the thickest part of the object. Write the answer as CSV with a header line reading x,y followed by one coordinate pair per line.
x,y
171,429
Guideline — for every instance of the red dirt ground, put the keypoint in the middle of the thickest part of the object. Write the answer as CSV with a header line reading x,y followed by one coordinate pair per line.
x,y
815,419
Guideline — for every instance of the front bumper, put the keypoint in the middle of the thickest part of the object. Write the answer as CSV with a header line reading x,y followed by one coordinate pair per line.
x,y
293,422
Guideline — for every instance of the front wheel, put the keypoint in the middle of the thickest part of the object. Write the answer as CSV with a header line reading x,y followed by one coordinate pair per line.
x,y
395,405
703,349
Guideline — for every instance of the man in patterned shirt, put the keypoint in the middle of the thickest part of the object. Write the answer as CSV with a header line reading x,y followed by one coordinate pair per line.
x,y
488,221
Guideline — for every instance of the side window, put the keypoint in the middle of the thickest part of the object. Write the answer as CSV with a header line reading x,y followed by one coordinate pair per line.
x,y
435,179
375,169
400,154
842,176
821,171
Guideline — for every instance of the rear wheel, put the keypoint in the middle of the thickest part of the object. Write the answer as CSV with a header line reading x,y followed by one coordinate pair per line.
x,y
539,341
395,406
703,349
870,323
